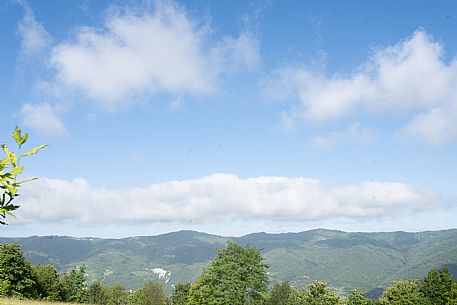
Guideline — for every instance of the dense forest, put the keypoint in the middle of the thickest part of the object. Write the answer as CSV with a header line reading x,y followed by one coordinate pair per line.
x,y
345,260
238,275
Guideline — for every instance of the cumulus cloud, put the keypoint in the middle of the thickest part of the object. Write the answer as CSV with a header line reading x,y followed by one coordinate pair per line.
x,y
410,78
42,118
34,37
355,133
143,53
217,196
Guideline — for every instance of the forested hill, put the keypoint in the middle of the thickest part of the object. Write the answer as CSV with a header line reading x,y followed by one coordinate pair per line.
x,y
345,260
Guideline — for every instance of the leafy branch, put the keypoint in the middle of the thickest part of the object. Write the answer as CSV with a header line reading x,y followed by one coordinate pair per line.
x,y
10,168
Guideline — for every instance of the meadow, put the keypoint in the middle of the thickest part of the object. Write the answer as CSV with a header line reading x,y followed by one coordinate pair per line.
x,y
11,301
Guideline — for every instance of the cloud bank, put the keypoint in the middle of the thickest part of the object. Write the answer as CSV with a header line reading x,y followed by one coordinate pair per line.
x,y
144,52
410,79
217,196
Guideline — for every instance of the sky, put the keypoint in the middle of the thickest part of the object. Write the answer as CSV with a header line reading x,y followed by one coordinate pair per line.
x,y
231,117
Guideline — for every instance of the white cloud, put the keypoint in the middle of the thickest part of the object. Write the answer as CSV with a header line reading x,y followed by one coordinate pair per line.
x,y
217,196
145,53
355,133
436,127
175,104
42,118
34,37
410,78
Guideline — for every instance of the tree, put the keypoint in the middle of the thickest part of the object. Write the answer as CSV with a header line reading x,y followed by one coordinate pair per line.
x,y
16,278
279,295
318,293
151,294
96,293
116,295
74,285
237,276
403,292
47,282
180,294
356,297
452,298
437,285
295,297
10,168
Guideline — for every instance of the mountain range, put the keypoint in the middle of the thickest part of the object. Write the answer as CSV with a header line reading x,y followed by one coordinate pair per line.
x,y
345,260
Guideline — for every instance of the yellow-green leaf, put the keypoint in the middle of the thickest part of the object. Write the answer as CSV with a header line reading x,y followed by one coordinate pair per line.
x,y
28,180
9,154
2,210
17,170
6,150
35,150
12,190
18,137
6,161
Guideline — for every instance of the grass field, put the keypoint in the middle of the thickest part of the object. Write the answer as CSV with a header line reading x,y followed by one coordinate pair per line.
x,y
7,301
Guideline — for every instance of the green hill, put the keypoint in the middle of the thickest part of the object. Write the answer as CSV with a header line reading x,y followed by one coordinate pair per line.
x,y
345,260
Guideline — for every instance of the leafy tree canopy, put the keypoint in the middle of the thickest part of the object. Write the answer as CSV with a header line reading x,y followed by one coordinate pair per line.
x,y
403,292
180,294
48,282
437,285
236,276
16,278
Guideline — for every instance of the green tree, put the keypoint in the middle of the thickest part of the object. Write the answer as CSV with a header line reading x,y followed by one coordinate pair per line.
x,y
236,276
356,297
279,294
318,293
296,297
117,295
437,285
10,168
74,285
151,294
180,294
403,292
16,277
96,293
452,298
47,282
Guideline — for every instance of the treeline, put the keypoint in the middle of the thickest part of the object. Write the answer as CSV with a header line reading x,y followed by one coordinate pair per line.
x,y
237,276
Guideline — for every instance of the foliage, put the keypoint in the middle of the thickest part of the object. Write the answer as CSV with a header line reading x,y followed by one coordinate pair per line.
x,y
16,278
10,168
236,276
356,297
74,285
452,297
231,274
341,259
279,294
96,293
319,294
295,297
403,292
151,294
116,295
180,294
47,282
437,285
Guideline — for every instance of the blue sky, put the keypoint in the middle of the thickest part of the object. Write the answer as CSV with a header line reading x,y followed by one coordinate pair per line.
x,y
232,117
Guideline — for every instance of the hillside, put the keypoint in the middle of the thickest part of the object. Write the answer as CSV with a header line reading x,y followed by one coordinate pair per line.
x,y
345,260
